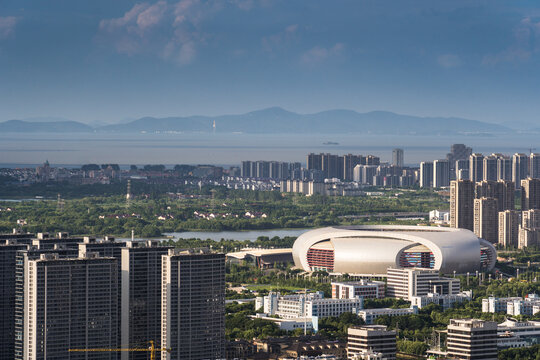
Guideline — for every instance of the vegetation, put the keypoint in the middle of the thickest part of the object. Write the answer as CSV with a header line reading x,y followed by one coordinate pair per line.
x,y
529,353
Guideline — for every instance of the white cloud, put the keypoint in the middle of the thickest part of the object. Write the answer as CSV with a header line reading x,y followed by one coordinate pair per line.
x,y
7,26
449,61
526,44
320,54
273,42
152,15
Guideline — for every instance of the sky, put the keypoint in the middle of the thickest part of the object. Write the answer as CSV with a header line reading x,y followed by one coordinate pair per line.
x,y
107,61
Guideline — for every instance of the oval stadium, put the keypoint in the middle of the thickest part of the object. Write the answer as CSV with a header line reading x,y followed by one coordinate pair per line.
x,y
371,249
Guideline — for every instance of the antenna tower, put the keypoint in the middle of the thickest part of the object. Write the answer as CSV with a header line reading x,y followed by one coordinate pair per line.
x,y
59,203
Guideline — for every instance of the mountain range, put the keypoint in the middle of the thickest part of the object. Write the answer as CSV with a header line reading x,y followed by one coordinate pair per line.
x,y
276,120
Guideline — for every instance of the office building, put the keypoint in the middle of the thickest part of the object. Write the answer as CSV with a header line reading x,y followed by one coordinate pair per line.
x,y
490,167
70,304
441,173
503,191
470,339
476,167
509,222
363,288
397,158
504,168
141,295
370,315
374,338
307,305
534,165
520,168
406,283
193,305
426,174
462,204
530,194
486,219
8,254
444,301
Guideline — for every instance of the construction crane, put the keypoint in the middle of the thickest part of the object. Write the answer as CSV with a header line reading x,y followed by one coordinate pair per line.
x,y
151,349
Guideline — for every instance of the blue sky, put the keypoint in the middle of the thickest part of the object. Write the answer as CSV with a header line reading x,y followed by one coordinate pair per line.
x,y
110,60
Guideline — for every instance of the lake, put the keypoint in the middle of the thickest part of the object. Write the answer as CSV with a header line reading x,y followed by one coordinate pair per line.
x,y
251,235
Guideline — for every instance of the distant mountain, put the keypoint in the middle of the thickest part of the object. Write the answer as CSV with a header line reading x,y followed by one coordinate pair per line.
x,y
279,121
44,126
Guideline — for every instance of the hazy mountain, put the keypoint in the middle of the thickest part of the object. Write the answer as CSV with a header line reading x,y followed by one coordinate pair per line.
x,y
276,120
44,126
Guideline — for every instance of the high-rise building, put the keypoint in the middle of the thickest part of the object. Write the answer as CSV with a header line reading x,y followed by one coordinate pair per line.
x,y
441,173
407,282
476,167
509,228
534,165
504,168
520,168
462,204
530,219
349,163
503,191
470,339
486,219
193,305
70,304
314,161
397,158
426,174
141,295
246,169
373,160
490,167
8,254
458,152
461,169
371,338
530,194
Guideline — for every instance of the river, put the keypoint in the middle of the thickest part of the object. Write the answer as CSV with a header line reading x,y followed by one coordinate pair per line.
x,y
251,235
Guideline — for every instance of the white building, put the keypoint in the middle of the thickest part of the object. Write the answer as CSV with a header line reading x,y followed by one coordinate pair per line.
x,y
288,324
446,301
369,315
307,305
528,331
495,305
512,305
439,217
362,288
408,282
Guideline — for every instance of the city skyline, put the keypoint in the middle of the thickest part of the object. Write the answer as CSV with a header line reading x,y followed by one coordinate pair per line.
x,y
102,62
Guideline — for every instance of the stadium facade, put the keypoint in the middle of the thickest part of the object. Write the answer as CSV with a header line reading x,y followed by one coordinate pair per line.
x,y
370,250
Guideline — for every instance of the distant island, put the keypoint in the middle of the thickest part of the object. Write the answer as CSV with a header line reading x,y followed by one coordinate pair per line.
x,y
276,120
330,143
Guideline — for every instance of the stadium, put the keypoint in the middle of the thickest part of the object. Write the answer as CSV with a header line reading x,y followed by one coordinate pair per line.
x,y
370,250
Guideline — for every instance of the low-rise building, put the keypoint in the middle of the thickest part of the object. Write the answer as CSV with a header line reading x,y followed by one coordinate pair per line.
x,y
369,315
494,304
306,305
446,301
529,305
408,282
362,288
526,331
289,324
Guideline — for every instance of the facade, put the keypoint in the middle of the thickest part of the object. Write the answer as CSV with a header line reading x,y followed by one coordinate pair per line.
x,y
441,173
486,219
193,305
509,222
471,339
406,283
497,305
78,297
369,250
528,306
530,194
397,158
445,301
528,237
363,288
462,204
288,324
504,168
370,315
141,295
534,165
373,338
426,174
461,171
490,167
